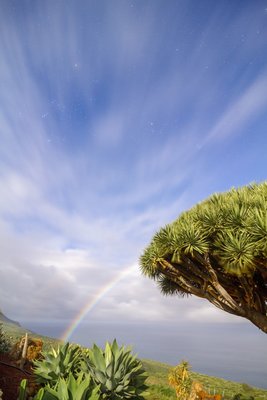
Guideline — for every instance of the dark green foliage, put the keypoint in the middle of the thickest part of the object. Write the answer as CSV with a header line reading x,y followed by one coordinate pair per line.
x,y
246,388
5,344
240,396
57,364
65,389
218,251
118,373
71,389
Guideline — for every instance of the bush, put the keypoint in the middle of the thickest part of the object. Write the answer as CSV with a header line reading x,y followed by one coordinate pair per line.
x,y
81,388
58,364
5,344
117,372
240,396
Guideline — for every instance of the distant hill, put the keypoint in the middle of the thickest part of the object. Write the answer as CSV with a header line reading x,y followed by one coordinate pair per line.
x,y
15,331
3,318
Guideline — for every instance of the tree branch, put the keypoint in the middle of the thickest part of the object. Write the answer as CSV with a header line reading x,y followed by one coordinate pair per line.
x,y
214,281
175,274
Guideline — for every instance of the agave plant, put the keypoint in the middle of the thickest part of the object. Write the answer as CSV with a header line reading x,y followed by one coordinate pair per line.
x,y
117,372
81,388
57,364
22,390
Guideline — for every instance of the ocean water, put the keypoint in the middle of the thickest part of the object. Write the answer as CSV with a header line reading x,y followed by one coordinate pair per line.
x,y
236,352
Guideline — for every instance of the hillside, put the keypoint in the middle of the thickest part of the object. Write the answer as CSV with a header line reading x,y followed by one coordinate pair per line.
x,y
159,389
3,318
14,332
157,372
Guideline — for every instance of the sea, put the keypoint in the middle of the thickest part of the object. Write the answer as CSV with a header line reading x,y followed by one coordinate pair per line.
x,y
236,352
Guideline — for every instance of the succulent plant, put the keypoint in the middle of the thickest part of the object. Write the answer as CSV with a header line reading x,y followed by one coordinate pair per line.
x,y
22,390
118,373
180,380
57,364
81,388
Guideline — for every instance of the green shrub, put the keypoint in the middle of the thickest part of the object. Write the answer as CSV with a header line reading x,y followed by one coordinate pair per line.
x,y
71,389
81,388
58,364
5,344
240,396
246,387
118,373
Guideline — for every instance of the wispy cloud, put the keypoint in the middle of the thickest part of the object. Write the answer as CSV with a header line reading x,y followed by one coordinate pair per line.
x,y
108,115
242,111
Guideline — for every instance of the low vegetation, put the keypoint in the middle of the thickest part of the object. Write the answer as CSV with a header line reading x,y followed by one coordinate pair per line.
x,y
159,389
117,372
13,333
58,364
5,344
114,372
180,380
69,371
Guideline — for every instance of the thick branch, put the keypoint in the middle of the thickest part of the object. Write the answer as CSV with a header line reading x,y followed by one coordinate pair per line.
x,y
257,319
215,293
220,304
169,270
248,289
214,280
194,267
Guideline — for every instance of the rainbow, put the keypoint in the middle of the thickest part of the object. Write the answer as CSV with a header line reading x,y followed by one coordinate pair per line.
x,y
90,304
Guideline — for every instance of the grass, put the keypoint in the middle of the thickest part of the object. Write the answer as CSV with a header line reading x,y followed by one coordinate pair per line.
x,y
157,373
159,389
14,333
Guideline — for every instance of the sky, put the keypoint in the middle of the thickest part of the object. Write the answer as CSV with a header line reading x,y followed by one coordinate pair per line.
x,y
115,116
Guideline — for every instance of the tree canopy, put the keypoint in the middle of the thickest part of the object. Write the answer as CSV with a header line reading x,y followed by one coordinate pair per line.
x,y
217,251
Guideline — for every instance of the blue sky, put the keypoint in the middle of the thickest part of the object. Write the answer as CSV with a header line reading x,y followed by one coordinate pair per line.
x,y
115,116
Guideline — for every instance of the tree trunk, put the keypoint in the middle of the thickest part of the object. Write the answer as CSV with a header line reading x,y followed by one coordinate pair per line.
x,y
257,319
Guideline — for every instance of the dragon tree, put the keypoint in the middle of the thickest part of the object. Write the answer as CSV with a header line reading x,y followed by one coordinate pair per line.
x,y
217,251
